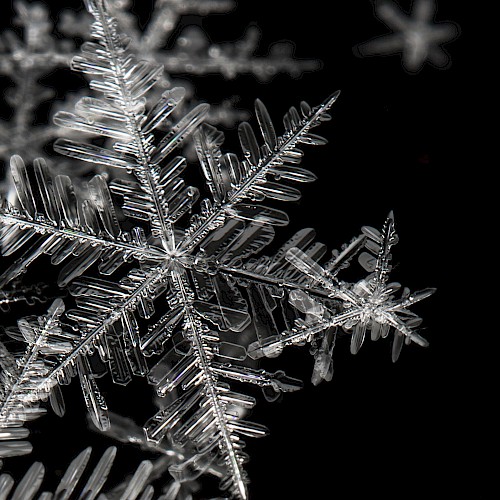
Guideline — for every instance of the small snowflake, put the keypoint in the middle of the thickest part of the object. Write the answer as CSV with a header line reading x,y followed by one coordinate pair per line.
x,y
415,36
369,304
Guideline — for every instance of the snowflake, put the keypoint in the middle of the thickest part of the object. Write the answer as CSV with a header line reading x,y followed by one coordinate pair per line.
x,y
166,297
416,37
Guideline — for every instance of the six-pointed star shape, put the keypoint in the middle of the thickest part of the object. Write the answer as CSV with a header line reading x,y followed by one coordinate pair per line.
x,y
417,37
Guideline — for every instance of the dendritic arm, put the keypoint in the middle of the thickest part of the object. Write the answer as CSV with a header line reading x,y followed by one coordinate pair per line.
x,y
249,178
114,303
203,355
69,226
24,382
121,116
369,304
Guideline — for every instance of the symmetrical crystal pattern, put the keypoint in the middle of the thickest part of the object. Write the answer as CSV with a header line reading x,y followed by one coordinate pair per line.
x,y
416,37
170,284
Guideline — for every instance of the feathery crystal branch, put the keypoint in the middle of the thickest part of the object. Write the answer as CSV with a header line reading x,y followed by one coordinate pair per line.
x,y
24,380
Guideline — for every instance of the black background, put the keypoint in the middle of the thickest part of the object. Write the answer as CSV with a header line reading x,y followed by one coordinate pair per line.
x,y
415,429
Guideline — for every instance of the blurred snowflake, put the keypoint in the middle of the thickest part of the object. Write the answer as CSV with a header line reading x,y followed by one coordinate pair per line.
x,y
417,37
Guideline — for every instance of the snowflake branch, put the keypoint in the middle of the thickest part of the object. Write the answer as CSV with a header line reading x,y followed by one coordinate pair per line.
x,y
211,391
259,169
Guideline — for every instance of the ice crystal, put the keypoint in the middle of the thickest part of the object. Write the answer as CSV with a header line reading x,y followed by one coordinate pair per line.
x,y
416,37
167,297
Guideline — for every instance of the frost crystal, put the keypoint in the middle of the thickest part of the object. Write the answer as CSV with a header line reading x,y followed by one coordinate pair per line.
x,y
416,37
189,303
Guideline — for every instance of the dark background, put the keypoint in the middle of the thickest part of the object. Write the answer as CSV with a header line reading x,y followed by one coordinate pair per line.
x,y
398,141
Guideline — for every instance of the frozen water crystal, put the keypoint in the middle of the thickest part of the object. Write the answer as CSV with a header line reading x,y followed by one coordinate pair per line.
x,y
171,285
417,37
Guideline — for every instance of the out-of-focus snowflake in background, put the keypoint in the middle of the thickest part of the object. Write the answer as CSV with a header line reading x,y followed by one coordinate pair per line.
x,y
37,45
416,36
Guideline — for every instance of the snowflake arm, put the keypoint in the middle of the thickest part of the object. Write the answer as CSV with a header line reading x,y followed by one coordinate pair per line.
x,y
24,379
216,421
195,53
100,305
63,224
124,82
249,179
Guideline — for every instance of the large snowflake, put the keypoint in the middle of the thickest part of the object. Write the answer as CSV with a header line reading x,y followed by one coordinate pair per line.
x,y
167,298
